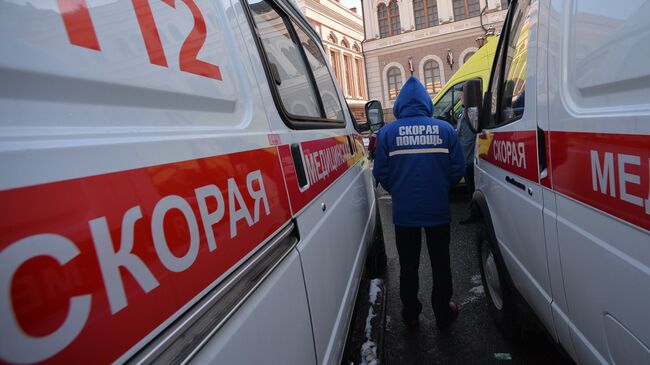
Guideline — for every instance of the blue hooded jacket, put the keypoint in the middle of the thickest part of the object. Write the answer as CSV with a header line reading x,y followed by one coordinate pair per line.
x,y
418,159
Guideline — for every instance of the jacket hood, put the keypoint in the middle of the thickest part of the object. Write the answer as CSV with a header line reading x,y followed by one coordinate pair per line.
x,y
413,100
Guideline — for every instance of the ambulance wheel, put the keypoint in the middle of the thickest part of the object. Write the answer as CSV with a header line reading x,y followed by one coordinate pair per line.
x,y
376,261
495,282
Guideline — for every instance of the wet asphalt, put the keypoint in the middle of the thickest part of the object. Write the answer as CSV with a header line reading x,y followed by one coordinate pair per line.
x,y
473,338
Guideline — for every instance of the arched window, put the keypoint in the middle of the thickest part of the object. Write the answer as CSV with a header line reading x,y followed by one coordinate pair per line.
x,y
394,78
356,47
345,43
382,16
426,13
432,80
393,12
388,17
464,9
467,56
332,38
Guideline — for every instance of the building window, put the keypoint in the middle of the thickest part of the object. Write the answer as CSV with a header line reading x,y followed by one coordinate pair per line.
x,y
361,80
345,43
336,65
388,17
467,56
349,76
382,16
432,80
426,13
394,77
393,12
464,9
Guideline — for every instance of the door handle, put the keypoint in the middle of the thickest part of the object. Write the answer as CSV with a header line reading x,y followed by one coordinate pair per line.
x,y
516,183
298,165
541,152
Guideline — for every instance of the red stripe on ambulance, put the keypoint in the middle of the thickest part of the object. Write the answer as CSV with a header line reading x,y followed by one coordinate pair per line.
x,y
325,160
610,172
91,266
512,151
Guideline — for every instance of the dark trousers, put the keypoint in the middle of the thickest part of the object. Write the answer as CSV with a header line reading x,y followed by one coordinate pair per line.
x,y
469,181
408,241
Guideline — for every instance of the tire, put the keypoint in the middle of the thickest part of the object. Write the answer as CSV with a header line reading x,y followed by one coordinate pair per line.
x,y
495,279
376,261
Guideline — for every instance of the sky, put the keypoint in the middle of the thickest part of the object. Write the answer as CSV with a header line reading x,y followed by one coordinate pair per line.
x,y
352,4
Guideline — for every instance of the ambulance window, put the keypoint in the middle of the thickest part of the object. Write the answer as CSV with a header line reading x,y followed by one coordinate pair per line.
x,y
301,81
288,67
514,82
323,78
446,107
509,80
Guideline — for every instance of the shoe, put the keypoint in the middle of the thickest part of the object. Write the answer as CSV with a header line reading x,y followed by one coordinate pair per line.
x,y
454,309
468,220
412,323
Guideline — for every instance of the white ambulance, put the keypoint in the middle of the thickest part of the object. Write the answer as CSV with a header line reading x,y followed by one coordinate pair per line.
x,y
181,181
563,175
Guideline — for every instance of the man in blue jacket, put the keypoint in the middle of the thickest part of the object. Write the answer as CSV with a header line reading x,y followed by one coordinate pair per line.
x,y
418,159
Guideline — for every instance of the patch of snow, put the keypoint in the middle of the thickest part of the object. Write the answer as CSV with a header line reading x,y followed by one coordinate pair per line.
x,y
476,279
374,290
371,315
369,348
477,292
369,353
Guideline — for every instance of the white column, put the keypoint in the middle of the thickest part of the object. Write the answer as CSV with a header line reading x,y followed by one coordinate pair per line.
x,y
445,11
493,4
344,75
362,79
355,81
370,14
373,79
406,17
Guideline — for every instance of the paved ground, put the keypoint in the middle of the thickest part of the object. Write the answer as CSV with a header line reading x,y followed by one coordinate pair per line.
x,y
474,339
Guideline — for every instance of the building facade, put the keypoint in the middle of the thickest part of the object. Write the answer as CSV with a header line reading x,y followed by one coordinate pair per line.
x,y
341,30
429,39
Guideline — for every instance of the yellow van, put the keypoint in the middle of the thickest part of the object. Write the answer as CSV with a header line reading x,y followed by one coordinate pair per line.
x,y
447,101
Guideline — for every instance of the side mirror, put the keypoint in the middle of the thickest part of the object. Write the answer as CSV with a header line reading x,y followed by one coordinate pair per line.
x,y
473,94
375,114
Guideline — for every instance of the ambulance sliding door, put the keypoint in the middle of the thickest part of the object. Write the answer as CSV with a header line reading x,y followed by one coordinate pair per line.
x,y
508,158
321,162
599,136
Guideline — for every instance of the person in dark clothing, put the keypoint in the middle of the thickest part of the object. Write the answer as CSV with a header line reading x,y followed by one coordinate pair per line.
x,y
418,159
467,139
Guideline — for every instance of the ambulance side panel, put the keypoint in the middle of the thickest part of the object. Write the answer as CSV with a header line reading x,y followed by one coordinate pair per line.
x,y
508,171
332,251
138,183
335,210
599,116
